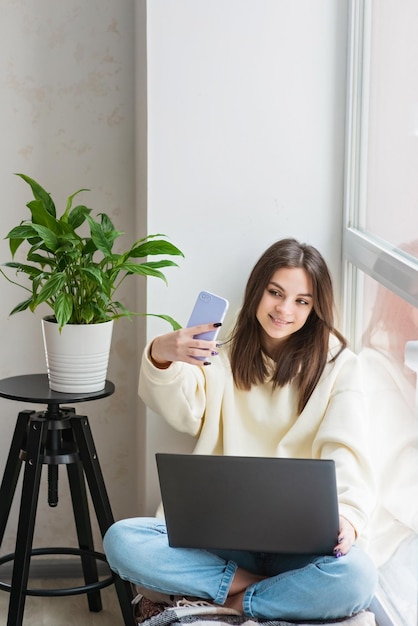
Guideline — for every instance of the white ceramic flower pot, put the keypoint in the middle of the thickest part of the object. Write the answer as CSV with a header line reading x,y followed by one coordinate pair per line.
x,y
78,356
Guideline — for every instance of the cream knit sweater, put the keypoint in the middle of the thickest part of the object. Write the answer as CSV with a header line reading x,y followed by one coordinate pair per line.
x,y
394,453
204,402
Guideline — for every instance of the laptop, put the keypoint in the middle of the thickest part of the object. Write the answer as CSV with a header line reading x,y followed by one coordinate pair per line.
x,y
249,503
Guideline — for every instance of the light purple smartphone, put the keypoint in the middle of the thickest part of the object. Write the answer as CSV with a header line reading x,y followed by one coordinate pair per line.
x,y
208,308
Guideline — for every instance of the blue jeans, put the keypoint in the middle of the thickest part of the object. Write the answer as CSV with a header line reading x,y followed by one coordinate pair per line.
x,y
299,587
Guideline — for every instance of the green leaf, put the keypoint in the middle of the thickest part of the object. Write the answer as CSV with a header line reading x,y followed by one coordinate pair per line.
x,y
49,239
107,224
30,270
63,308
94,273
18,235
162,263
143,269
51,287
65,215
88,312
109,230
39,193
175,325
14,245
78,216
41,216
155,247
41,260
22,306
23,231
119,310
99,238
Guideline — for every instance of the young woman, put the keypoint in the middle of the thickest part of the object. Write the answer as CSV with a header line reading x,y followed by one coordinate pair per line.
x,y
284,385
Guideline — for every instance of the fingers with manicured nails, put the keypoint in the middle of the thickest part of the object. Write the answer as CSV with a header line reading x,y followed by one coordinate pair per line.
x,y
346,538
180,345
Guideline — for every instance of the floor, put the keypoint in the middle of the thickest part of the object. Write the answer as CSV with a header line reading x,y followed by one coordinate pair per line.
x,y
65,610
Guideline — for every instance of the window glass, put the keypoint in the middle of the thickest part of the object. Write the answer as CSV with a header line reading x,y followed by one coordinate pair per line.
x,y
389,324
392,121
380,249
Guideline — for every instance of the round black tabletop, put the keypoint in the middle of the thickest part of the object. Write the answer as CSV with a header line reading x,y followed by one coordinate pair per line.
x,y
35,388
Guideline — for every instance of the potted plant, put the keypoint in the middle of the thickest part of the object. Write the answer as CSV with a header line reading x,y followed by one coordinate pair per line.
x,y
72,268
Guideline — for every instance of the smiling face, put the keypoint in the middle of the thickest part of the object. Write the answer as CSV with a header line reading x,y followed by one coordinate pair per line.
x,y
285,305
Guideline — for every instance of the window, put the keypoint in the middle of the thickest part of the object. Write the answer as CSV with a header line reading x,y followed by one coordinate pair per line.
x,y
380,249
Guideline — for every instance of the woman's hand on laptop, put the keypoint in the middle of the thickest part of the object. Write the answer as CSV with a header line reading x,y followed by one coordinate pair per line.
x,y
346,537
181,345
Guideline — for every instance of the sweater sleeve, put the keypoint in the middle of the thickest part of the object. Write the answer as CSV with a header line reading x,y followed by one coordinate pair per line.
x,y
343,437
176,393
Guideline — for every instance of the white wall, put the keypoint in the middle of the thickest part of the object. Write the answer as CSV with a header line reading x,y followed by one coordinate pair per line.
x,y
246,104
67,119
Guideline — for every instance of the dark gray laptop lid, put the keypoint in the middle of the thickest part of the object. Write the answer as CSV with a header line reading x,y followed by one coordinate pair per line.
x,y
249,503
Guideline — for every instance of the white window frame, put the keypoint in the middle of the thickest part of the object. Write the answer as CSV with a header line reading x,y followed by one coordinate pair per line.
x,y
396,270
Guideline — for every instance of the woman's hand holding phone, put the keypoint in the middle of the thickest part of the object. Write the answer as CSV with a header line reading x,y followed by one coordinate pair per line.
x,y
184,345
196,343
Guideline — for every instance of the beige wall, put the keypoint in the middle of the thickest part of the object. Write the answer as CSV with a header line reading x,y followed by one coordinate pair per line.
x,y
67,119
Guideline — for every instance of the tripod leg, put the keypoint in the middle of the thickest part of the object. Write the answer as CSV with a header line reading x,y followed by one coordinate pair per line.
x,y
84,533
12,470
101,503
36,439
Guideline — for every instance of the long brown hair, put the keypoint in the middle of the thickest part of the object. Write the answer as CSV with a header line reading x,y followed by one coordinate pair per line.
x,y
302,356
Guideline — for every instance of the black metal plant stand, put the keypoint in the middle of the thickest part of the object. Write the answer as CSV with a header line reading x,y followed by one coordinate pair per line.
x,y
56,436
